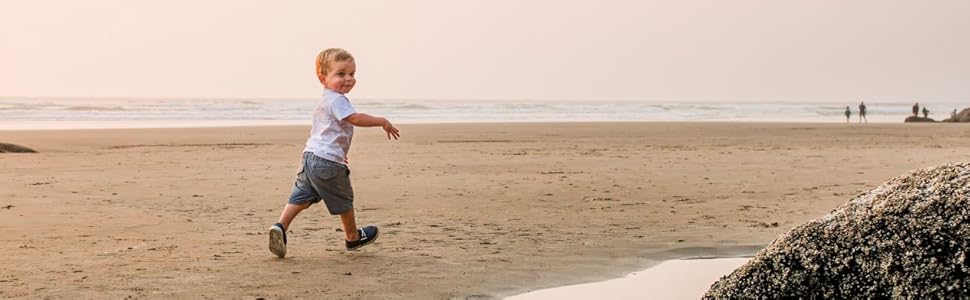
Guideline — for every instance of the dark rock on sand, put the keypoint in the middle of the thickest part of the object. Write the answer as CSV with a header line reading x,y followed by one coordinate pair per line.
x,y
908,238
963,116
11,148
915,119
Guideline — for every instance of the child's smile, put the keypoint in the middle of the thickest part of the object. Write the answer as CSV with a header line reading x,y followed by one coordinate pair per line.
x,y
340,77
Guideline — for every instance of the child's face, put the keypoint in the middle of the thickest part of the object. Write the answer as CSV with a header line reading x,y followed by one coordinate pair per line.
x,y
340,77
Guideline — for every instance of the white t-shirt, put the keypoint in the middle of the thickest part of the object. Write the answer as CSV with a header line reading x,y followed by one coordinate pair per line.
x,y
330,135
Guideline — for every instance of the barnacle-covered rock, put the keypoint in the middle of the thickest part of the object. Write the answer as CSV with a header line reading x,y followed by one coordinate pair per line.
x,y
4,147
917,119
908,238
962,116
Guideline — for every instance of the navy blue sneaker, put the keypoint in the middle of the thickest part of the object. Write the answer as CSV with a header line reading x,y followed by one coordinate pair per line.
x,y
277,240
367,234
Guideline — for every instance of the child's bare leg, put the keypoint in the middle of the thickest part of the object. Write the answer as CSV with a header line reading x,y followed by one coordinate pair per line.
x,y
290,212
350,225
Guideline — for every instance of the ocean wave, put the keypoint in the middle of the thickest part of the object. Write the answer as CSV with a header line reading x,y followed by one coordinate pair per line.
x,y
413,106
18,107
95,108
527,106
712,107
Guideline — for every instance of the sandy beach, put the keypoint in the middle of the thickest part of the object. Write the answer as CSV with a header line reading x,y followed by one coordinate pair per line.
x,y
467,210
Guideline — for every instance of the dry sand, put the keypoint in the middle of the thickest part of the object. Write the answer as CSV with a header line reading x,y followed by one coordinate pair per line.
x,y
471,210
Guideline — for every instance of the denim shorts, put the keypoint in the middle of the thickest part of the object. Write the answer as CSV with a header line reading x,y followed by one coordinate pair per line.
x,y
321,179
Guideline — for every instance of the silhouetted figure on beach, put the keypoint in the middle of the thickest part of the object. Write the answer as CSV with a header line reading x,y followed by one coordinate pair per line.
x,y
862,112
953,115
848,113
926,112
916,109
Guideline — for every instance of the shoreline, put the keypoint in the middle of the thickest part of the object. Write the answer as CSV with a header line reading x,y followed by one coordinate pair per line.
x,y
466,209
201,111
50,126
95,125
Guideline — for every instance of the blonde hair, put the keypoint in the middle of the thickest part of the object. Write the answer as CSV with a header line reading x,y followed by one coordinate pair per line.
x,y
329,56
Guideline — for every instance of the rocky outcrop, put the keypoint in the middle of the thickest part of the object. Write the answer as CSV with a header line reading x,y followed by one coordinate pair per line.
x,y
11,148
963,116
915,119
908,238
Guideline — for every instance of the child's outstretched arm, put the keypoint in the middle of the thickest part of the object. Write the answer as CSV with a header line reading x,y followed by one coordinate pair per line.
x,y
365,120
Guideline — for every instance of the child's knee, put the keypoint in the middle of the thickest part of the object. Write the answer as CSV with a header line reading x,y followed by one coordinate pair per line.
x,y
299,206
349,212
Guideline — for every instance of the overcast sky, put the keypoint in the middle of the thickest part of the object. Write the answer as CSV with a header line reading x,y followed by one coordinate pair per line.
x,y
677,50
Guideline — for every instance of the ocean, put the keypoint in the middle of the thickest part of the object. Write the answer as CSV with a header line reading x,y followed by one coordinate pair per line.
x,y
66,113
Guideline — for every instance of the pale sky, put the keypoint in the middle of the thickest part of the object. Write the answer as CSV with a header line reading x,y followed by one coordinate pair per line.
x,y
677,50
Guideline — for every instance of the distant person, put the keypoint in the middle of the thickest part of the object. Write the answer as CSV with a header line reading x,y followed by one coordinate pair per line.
x,y
916,109
954,114
324,174
862,112
848,114
926,112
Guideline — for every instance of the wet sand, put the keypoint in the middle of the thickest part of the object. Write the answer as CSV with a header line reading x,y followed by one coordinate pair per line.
x,y
672,279
480,210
